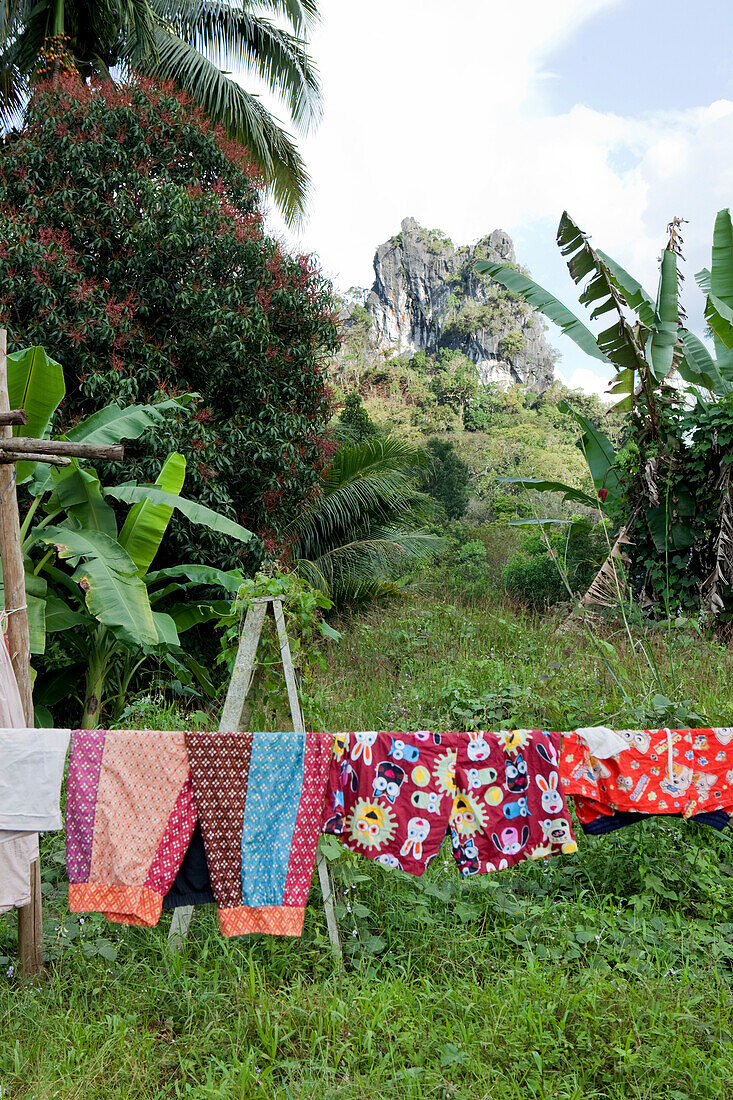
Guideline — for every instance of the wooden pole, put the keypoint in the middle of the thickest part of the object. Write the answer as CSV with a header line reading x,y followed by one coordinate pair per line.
x,y
18,638
25,444
15,416
7,458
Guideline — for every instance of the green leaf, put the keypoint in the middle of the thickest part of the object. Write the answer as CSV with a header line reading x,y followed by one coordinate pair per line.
x,y
328,631
147,522
113,592
197,513
664,332
166,630
698,366
542,486
113,423
702,278
545,302
79,492
721,288
632,290
720,318
36,623
36,384
200,574
598,451
59,616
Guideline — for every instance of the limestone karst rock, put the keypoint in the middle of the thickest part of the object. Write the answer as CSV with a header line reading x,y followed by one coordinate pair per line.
x,y
427,296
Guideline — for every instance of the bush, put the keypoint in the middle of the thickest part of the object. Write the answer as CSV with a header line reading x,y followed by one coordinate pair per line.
x,y
355,417
132,248
534,574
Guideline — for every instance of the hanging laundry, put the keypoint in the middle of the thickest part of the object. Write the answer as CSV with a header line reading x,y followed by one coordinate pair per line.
x,y
259,797
130,814
31,770
17,852
683,772
393,797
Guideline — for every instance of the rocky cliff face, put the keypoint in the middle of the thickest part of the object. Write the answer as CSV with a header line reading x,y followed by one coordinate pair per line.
x,y
426,296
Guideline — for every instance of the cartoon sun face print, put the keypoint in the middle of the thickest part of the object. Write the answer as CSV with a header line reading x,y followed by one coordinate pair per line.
x,y
340,744
445,772
370,824
514,740
466,816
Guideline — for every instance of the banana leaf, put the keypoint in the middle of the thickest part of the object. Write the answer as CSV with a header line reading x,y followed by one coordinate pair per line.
x,y
599,453
113,423
546,303
113,592
166,629
620,342
632,290
720,298
146,522
698,367
541,486
36,384
664,332
199,574
720,318
78,492
197,513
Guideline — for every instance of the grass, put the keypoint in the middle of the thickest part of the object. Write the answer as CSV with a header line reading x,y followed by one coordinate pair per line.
x,y
604,975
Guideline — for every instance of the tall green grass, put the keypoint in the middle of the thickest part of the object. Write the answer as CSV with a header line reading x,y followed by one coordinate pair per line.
x,y
606,974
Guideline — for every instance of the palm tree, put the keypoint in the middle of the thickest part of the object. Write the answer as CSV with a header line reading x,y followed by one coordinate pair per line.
x,y
195,43
366,526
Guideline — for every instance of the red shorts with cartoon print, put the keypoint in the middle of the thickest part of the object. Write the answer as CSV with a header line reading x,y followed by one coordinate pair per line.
x,y
680,771
392,797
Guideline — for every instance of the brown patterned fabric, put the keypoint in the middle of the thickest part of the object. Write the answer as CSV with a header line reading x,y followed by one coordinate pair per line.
x,y
221,805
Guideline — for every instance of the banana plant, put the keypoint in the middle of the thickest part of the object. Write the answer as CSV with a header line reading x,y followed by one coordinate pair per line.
x,y
647,340
647,344
92,580
105,574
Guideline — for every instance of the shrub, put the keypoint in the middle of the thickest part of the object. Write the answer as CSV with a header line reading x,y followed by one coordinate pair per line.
x,y
133,250
355,417
533,574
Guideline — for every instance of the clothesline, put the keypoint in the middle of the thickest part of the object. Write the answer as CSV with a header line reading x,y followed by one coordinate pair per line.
x,y
246,808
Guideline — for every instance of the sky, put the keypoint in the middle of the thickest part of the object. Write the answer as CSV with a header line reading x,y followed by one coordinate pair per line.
x,y
482,114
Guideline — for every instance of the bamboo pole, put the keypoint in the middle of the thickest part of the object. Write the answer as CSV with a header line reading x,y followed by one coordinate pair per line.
x,y
11,554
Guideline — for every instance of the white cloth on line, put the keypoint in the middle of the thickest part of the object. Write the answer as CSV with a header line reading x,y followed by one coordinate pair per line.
x,y
17,852
602,742
31,770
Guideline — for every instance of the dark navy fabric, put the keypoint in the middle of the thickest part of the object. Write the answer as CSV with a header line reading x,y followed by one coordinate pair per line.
x,y
608,823
192,885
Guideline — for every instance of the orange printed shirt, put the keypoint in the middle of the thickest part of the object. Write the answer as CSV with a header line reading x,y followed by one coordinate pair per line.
x,y
679,771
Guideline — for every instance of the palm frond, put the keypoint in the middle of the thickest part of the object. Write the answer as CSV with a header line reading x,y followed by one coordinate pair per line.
x,y
242,115
369,567
233,38
368,483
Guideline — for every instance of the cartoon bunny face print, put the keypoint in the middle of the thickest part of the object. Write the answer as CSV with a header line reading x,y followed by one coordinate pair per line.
x,y
417,833
551,797
478,746
364,739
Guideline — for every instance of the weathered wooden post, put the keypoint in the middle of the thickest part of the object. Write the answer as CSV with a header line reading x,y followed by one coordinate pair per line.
x,y
30,935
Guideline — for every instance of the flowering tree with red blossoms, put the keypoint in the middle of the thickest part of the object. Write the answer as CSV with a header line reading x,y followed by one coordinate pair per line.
x,y
132,248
